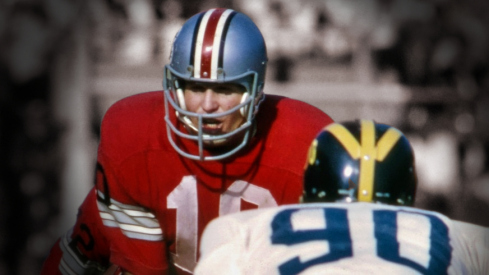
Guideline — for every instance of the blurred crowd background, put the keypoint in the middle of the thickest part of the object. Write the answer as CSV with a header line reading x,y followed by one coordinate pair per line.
x,y
419,65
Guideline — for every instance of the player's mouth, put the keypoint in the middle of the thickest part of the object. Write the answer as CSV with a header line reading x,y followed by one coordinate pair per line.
x,y
212,126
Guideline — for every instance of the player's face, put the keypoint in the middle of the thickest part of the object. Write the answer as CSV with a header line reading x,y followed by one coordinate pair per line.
x,y
208,98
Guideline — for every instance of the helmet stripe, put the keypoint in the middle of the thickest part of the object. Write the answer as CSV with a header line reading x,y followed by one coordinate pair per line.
x,y
217,43
312,153
344,136
387,142
208,43
199,44
207,46
194,39
367,161
225,28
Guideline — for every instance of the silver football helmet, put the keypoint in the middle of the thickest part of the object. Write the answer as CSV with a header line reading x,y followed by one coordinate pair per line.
x,y
215,46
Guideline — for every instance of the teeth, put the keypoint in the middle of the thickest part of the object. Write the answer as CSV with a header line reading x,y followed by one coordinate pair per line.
x,y
212,124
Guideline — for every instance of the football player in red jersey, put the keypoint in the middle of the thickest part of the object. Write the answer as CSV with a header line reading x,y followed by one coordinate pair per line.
x,y
170,161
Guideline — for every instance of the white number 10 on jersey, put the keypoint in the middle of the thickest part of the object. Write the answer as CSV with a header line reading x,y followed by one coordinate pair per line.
x,y
184,198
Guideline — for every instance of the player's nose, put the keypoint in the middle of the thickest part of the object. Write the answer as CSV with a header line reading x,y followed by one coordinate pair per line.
x,y
210,103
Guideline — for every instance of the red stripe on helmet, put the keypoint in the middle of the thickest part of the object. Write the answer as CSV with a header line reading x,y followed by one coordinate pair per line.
x,y
208,43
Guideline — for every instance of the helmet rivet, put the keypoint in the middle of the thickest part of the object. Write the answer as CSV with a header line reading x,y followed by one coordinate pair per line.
x,y
366,157
364,192
322,194
205,73
220,71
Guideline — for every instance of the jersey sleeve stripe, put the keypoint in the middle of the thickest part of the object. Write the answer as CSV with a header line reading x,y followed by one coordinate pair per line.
x,y
70,264
125,218
134,222
132,234
101,197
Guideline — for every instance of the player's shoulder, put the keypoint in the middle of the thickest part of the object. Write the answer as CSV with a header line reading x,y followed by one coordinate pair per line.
x,y
471,243
290,121
137,104
472,231
132,123
134,112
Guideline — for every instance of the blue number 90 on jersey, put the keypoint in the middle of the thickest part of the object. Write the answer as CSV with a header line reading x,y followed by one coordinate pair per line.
x,y
415,240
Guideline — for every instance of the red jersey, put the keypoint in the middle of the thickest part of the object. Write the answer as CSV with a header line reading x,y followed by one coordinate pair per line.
x,y
150,205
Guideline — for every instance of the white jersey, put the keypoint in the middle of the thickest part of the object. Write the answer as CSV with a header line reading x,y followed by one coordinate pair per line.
x,y
342,238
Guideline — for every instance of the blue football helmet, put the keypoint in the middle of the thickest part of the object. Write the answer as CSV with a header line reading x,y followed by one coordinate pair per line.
x,y
360,161
215,46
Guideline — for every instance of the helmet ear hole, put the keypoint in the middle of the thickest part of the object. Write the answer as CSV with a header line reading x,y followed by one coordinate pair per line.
x,y
244,110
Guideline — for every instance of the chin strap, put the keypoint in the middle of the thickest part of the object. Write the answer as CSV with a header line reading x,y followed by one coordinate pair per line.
x,y
180,97
181,102
244,110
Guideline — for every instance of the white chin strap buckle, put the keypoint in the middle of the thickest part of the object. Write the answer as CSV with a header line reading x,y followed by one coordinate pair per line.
x,y
244,110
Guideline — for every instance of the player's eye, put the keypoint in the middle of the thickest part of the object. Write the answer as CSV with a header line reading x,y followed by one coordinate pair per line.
x,y
196,87
224,89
